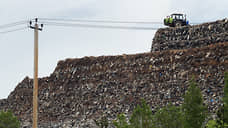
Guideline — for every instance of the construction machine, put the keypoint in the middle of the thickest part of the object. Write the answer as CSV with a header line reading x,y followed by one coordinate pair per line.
x,y
176,20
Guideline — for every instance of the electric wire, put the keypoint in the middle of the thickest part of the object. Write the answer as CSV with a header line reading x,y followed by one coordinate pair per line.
x,y
99,21
105,21
82,23
97,26
13,24
13,30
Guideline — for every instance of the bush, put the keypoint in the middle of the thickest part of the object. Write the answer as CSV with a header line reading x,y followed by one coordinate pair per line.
x,y
121,122
195,112
211,124
142,116
102,123
8,120
225,99
168,117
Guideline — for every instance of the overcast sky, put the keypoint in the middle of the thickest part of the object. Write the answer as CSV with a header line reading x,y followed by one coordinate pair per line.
x,y
59,43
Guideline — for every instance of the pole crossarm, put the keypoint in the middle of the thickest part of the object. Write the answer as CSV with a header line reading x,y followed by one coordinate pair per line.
x,y
34,27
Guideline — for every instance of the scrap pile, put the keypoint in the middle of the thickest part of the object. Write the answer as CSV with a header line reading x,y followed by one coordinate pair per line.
x,y
80,90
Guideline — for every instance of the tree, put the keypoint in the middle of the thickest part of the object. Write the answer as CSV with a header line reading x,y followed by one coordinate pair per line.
x,y
102,123
220,117
212,124
194,110
225,98
121,122
142,116
8,120
168,117
222,113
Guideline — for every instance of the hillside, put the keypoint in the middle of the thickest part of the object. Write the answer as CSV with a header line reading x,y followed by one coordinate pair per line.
x,y
80,90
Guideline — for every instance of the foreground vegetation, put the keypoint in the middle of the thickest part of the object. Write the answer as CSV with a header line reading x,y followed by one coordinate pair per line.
x,y
8,120
191,114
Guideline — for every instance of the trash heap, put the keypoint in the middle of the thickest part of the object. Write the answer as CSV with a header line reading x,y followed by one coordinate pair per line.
x,y
190,36
81,90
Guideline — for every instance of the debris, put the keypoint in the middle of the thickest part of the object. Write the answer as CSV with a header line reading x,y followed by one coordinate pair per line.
x,y
190,36
81,90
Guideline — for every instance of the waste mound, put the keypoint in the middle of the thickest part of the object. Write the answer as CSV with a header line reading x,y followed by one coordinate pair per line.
x,y
190,36
84,89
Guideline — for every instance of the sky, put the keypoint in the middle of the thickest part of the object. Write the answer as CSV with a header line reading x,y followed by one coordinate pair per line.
x,y
59,43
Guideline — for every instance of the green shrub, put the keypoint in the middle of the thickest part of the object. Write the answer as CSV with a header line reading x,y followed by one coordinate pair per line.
x,y
8,120
142,116
121,122
211,124
102,123
168,117
195,112
225,99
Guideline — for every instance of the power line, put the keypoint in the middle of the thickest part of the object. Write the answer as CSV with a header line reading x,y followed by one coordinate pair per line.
x,y
13,24
13,30
97,26
105,21
79,23
99,21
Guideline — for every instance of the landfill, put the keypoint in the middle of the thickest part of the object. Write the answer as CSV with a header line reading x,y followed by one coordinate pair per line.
x,y
84,89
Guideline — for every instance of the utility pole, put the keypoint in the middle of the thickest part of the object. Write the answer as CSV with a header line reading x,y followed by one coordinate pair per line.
x,y
35,80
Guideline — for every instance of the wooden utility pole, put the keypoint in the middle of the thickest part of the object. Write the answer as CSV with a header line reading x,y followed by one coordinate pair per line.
x,y
35,80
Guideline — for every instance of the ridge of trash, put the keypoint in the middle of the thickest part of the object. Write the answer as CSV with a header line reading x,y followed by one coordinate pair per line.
x,y
81,90
190,36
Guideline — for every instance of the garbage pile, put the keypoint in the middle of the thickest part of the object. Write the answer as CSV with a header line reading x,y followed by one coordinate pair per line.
x,y
81,90
190,36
